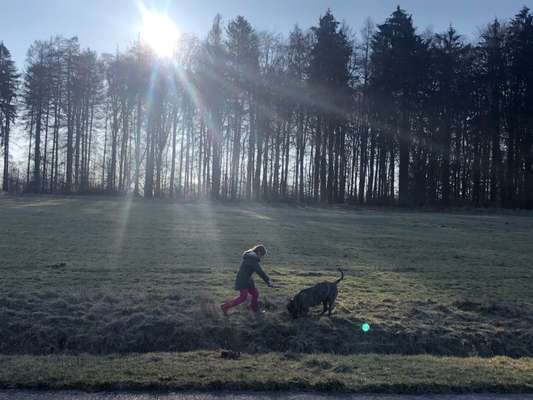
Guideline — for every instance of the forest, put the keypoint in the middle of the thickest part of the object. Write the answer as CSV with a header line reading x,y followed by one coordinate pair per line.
x,y
385,116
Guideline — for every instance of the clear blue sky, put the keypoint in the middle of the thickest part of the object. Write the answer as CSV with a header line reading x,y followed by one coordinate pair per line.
x,y
105,24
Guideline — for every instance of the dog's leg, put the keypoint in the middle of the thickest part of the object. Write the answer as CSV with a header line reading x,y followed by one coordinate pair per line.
x,y
332,302
331,307
325,304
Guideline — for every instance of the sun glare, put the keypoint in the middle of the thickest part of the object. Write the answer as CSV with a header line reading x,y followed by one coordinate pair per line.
x,y
159,32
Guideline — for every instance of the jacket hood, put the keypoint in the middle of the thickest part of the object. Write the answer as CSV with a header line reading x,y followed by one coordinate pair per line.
x,y
250,254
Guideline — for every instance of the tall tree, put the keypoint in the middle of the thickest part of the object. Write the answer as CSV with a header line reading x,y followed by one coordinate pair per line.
x,y
399,59
243,52
329,77
8,91
448,68
519,179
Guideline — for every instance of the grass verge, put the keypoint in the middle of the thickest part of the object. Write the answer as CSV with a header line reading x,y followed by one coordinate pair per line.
x,y
205,370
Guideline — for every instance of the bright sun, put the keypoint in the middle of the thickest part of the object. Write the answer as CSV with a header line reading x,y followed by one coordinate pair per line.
x,y
159,32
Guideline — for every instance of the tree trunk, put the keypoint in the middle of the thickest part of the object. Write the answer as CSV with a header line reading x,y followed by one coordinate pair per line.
x,y
317,157
363,163
404,140
37,153
251,153
173,159
138,147
217,153
5,180
261,131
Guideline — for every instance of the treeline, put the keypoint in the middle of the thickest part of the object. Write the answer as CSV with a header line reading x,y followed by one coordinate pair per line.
x,y
389,116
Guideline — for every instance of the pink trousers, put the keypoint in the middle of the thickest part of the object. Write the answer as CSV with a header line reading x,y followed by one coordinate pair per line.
x,y
254,293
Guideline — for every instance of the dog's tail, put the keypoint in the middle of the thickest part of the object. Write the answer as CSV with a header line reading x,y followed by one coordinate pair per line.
x,y
341,278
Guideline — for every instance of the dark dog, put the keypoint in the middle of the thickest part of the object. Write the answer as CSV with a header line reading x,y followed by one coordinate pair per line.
x,y
325,293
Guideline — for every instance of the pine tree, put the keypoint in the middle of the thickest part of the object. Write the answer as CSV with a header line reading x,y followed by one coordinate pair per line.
x,y
519,179
399,63
448,68
329,77
243,53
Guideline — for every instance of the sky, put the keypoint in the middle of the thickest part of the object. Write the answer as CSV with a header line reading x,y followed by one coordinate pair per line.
x,y
104,25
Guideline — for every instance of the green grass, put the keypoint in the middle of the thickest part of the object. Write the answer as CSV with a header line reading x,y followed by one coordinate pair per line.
x,y
207,371
144,276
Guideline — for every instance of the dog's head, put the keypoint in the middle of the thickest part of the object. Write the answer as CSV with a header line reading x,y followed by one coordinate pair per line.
x,y
292,308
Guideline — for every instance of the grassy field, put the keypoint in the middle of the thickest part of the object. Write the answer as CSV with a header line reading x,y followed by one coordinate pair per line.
x,y
144,276
203,370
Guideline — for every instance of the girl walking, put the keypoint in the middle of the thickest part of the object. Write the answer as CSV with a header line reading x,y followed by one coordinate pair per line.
x,y
244,282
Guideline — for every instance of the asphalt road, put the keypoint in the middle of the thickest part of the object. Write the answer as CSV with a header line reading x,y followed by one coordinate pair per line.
x,y
74,395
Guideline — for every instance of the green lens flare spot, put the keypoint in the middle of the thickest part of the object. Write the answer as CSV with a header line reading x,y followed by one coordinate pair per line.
x,y
365,327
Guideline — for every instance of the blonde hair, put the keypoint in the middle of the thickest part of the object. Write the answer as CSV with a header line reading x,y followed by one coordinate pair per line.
x,y
258,249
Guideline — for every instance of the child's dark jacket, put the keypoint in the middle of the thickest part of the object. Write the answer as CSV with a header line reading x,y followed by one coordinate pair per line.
x,y
249,265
